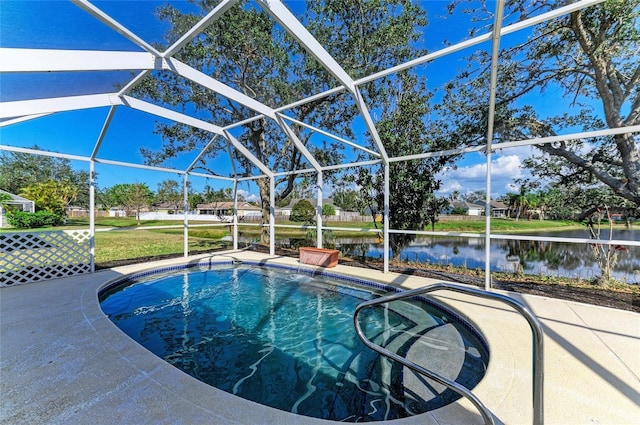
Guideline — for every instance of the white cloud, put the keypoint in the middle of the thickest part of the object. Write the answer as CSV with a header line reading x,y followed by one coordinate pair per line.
x,y
248,196
470,178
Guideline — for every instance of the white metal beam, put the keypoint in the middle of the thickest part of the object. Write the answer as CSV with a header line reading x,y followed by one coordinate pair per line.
x,y
139,166
115,25
92,216
185,211
319,199
352,164
201,154
212,84
481,39
518,143
272,216
44,153
18,120
495,57
296,172
298,143
103,131
21,108
332,136
289,106
290,23
49,60
385,221
247,153
199,27
134,82
373,131
169,114
212,176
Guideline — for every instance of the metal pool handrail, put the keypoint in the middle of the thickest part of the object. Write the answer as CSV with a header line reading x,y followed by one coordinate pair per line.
x,y
536,329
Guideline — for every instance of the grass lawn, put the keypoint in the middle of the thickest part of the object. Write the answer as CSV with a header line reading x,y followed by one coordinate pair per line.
x,y
141,243
503,225
121,245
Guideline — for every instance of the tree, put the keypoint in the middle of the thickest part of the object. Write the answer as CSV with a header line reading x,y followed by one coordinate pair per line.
x,y
404,131
303,211
580,202
591,57
4,199
170,191
476,197
606,255
434,207
249,51
134,197
50,196
19,170
194,200
348,200
327,209
221,195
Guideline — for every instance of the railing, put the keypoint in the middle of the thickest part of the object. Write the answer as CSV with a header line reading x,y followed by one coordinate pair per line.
x,y
536,329
33,256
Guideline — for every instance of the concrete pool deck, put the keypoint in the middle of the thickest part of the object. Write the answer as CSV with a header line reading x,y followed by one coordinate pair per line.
x,y
62,361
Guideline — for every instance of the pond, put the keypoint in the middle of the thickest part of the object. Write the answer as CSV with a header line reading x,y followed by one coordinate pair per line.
x,y
530,257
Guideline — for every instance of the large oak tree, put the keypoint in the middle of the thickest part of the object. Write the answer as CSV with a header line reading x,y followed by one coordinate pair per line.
x,y
591,57
250,52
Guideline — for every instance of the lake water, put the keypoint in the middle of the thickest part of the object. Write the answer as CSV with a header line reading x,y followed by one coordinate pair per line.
x,y
532,257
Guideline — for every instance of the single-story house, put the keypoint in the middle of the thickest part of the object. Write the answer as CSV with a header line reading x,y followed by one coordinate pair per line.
x,y
470,208
168,207
286,211
16,202
225,208
117,212
498,209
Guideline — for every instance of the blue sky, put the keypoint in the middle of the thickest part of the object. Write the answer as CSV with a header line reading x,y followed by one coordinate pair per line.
x,y
57,24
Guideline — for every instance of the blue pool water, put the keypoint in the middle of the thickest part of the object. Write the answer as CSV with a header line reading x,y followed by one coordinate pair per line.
x,y
287,340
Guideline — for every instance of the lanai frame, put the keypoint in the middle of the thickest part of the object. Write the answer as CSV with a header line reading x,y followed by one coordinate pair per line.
x,y
25,60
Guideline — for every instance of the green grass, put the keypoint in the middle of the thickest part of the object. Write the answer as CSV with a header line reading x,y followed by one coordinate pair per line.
x,y
121,222
124,245
506,225
133,244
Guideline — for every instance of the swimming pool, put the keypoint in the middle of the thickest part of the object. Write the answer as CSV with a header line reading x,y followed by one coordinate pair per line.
x,y
286,340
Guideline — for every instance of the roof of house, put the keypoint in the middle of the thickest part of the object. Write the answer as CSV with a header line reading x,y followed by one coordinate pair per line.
x,y
497,205
167,204
313,201
226,205
16,198
466,205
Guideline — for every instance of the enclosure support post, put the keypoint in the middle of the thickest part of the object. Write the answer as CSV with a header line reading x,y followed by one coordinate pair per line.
x,y
235,214
495,50
92,215
185,209
272,215
319,211
385,234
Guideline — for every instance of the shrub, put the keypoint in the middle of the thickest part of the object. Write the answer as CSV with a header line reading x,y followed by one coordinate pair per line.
x,y
29,220
327,209
302,211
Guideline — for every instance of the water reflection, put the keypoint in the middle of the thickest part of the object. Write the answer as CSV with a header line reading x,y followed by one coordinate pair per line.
x,y
530,257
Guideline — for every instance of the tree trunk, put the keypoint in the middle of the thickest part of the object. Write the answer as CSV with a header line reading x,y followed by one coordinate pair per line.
x,y
263,186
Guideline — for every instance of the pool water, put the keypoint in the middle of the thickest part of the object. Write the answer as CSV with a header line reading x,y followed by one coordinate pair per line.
x,y
287,340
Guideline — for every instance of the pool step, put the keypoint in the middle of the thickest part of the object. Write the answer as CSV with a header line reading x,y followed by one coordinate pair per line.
x,y
435,346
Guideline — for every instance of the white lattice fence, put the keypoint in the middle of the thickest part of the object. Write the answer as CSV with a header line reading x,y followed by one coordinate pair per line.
x,y
32,256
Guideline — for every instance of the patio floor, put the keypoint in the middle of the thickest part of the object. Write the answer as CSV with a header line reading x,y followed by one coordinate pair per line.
x,y
62,361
